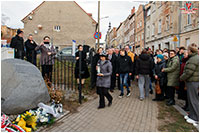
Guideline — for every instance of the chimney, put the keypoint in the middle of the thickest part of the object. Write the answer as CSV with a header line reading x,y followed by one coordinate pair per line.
x,y
90,14
133,10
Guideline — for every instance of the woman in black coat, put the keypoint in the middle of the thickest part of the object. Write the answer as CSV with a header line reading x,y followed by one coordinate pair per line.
x,y
160,76
84,68
95,59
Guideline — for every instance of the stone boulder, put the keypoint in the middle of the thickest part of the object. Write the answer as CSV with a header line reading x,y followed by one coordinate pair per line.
x,y
22,86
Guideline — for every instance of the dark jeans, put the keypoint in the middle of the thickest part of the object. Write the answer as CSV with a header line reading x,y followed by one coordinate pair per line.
x,y
171,92
103,92
123,81
47,71
32,59
113,81
118,82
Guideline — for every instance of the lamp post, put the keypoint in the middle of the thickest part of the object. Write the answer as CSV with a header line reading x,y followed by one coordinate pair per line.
x,y
98,22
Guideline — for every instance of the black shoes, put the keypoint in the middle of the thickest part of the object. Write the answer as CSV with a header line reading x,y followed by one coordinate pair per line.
x,y
109,104
151,91
101,107
171,102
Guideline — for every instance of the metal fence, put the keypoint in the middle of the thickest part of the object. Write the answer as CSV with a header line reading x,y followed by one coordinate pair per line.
x,y
62,71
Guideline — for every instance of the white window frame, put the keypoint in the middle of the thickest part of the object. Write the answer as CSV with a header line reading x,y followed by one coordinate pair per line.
x,y
187,41
142,36
167,22
153,29
189,19
159,26
57,28
140,23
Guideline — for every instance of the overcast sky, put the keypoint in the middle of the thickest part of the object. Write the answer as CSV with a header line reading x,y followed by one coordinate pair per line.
x,y
13,11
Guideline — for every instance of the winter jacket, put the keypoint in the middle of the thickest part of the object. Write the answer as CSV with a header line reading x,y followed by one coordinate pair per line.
x,y
18,43
95,59
46,59
113,62
124,65
144,65
106,70
84,68
172,70
191,70
161,75
132,55
30,50
184,60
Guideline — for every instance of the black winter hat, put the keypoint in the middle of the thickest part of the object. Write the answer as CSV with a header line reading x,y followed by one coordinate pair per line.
x,y
103,54
19,31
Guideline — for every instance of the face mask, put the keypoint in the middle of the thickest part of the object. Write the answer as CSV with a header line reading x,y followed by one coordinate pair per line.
x,y
46,42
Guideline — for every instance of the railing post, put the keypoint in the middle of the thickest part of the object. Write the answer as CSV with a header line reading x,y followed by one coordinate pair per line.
x,y
80,88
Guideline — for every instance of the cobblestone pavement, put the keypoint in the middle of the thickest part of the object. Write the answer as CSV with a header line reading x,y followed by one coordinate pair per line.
x,y
126,114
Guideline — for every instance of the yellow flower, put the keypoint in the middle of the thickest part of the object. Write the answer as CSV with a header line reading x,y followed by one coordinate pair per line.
x,y
23,116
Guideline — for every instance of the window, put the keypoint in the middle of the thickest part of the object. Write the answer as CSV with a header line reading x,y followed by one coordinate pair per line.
x,y
148,12
159,46
159,26
139,39
187,40
167,22
142,36
189,19
148,31
140,23
153,29
135,38
57,28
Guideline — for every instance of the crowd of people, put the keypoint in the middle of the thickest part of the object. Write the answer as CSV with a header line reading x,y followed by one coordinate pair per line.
x,y
172,71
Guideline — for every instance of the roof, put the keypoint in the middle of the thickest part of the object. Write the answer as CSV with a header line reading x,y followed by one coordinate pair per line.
x,y
89,14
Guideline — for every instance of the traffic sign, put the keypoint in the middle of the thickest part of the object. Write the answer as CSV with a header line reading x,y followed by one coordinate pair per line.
x,y
96,35
175,39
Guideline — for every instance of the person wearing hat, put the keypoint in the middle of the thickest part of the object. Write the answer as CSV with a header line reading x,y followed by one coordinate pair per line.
x,y
104,72
17,43
160,77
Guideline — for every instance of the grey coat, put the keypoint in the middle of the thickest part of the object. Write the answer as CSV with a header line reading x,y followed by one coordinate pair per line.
x,y
106,70
46,59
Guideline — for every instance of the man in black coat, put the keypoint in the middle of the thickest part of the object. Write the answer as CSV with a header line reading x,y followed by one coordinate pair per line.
x,y
124,69
17,43
112,57
144,67
30,50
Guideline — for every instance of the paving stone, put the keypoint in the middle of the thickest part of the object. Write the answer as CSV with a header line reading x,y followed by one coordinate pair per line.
x,y
126,114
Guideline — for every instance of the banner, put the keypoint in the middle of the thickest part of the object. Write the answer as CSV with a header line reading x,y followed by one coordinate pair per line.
x,y
73,47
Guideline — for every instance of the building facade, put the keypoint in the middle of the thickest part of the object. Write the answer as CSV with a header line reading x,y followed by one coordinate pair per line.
x,y
63,21
132,29
7,33
139,29
189,26
120,35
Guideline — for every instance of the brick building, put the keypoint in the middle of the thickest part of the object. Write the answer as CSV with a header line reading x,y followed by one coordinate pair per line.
x,y
7,33
63,21
139,29
189,32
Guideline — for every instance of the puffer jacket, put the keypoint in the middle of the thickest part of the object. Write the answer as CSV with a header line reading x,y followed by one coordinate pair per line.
x,y
173,70
144,65
191,70
106,70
